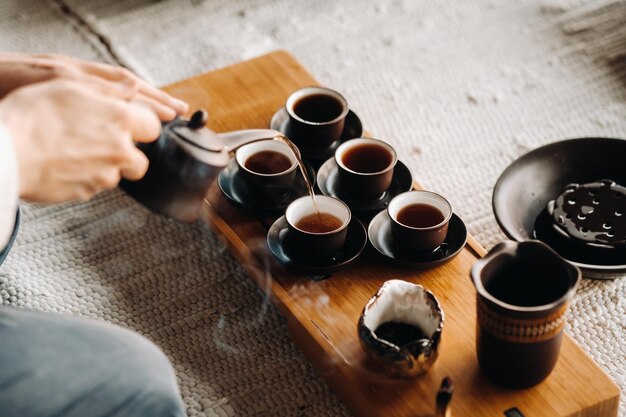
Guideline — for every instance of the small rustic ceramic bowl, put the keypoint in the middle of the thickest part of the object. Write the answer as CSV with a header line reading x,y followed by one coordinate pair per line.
x,y
400,301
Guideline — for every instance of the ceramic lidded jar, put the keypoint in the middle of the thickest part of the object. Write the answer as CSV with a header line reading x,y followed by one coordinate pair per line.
x,y
411,306
523,293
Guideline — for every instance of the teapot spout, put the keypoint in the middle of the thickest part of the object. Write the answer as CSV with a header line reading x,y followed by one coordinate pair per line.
x,y
237,138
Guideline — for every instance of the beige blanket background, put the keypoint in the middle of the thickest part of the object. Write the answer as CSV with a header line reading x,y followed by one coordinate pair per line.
x,y
460,88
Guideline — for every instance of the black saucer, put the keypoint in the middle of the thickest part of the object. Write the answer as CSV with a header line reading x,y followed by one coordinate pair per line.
x,y
353,128
328,183
355,243
379,233
257,200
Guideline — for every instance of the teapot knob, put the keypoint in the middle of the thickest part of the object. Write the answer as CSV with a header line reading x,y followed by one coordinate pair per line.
x,y
198,119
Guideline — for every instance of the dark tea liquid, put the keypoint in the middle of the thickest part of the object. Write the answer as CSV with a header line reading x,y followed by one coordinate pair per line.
x,y
398,333
420,215
319,223
267,162
367,158
525,285
318,108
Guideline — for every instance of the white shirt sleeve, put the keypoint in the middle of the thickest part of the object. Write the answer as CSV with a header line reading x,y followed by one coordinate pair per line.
x,y
9,193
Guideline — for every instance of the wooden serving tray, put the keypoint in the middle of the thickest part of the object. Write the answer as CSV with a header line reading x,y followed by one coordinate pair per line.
x,y
322,315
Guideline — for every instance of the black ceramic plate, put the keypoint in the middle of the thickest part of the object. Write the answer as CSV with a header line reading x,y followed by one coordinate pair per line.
x,y
379,233
255,199
526,187
327,182
5,252
355,243
353,128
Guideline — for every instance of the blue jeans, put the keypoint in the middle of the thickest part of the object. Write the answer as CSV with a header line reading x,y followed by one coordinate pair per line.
x,y
58,365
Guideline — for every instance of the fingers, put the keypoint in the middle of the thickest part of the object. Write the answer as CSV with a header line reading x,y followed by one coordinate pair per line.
x,y
127,123
136,166
164,113
125,90
143,124
119,74
128,90
161,96
74,184
103,76
130,123
105,178
145,128
78,137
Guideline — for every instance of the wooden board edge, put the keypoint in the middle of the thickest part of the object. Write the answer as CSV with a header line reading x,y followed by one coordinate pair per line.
x,y
611,403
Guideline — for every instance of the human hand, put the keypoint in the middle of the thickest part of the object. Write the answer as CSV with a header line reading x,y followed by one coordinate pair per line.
x,y
18,70
73,139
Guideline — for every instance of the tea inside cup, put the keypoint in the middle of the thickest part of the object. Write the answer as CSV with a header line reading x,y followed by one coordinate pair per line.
x,y
400,328
268,165
317,229
419,220
366,167
317,105
266,158
316,117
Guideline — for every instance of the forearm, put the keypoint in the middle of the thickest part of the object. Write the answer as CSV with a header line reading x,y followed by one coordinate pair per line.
x,y
9,186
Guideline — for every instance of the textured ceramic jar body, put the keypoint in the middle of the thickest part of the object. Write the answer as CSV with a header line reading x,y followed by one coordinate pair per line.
x,y
518,346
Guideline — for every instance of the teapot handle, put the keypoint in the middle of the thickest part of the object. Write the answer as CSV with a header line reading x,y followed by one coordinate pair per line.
x,y
237,138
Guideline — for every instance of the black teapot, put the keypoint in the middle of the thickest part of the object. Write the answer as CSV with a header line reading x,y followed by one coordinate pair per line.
x,y
184,161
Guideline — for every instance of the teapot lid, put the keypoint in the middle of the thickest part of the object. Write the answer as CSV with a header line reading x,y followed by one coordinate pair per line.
x,y
201,142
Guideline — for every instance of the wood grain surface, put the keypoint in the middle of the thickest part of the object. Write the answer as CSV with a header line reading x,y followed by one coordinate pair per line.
x,y
322,315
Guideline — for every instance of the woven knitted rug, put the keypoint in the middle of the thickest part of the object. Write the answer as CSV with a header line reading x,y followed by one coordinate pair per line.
x,y
459,88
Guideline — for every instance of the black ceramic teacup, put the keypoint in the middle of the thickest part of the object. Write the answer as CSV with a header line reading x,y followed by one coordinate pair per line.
x,y
400,328
419,221
365,167
523,293
316,117
308,238
268,165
